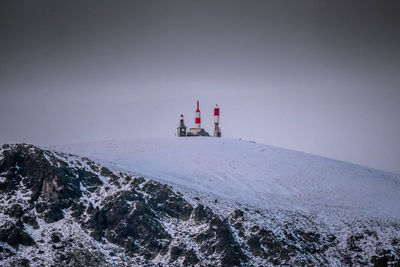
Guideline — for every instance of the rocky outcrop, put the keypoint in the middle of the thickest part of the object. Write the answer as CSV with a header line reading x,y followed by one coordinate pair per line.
x,y
161,198
51,185
127,219
14,234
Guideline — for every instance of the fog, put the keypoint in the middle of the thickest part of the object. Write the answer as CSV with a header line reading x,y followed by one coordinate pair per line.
x,y
314,76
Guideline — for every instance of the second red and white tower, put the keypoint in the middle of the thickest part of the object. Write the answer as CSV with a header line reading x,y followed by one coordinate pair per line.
x,y
217,130
198,118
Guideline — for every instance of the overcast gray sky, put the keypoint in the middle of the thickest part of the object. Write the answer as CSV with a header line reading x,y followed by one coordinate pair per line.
x,y
315,76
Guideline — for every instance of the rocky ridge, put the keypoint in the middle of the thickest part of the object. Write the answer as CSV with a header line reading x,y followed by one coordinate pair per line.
x,y
64,210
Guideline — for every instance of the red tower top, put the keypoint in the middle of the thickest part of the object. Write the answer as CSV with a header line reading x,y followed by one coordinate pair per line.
x,y
198,110
216,110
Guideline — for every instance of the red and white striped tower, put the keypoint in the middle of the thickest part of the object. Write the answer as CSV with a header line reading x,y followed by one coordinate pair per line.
x,y
217,130
197,119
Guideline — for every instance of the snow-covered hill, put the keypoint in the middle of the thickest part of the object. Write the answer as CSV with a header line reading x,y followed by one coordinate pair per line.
x,y
226,203
254,174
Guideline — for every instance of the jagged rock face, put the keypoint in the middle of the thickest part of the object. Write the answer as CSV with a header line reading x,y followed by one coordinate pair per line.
x,y
14,234
127,220
69,211
51,185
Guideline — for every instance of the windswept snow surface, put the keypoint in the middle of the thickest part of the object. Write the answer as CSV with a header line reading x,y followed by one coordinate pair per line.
x,y
254,174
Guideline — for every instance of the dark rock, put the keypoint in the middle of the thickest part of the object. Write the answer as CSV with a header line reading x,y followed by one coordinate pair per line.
x,y
20,262
237,213
30,220
54,213
94,167
81,257
276,262
78,209
163,199
190,258
5,253
90,208
137,181
352,242
218,238
41,207
15,211
106,172
238,226
20,224
58,246
55,237
90,180
175,252
381,262
124,225
200,213
15,235
44,175
113,178
255,246
267,245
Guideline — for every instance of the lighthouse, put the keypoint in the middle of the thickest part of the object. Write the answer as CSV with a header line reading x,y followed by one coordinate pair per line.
x,y
217,130
197,119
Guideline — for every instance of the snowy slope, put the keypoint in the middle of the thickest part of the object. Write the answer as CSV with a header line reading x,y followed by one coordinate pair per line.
x,y
254,174
271,207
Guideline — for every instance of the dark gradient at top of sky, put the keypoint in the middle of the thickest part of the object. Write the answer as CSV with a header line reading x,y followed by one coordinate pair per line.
x,y
316,76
